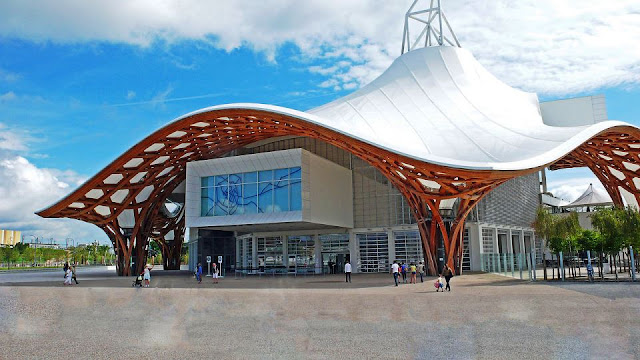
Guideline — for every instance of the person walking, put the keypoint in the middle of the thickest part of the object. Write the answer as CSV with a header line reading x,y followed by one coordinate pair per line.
x,y
421,271
147,275
73,273
199,273
67,277
65,268
394,270
214,274
448,274
413,270
403,269
347,272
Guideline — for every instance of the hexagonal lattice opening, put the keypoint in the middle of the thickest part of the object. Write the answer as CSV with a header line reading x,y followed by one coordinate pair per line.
x,y
154,147
135,162
160,160
113,179
94,194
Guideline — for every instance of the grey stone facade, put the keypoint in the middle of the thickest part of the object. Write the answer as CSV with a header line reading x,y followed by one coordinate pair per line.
x,y
513,203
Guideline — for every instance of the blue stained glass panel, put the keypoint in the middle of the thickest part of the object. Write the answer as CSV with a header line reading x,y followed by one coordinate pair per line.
x,y
206,202
281,196
221,202
250,198
235,178
266,175
295,173
206,181
250,177
295,188
221,180
251,192
281,174
265,197
235,200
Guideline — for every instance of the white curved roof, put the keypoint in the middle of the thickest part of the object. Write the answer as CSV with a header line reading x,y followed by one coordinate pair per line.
x,y
439,105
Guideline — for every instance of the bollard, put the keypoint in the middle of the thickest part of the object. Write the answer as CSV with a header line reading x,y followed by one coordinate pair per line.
x,y
520,264
504,264
561,266
633,264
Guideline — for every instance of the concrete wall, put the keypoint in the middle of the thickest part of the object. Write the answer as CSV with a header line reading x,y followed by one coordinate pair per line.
x,y
330,192
574,112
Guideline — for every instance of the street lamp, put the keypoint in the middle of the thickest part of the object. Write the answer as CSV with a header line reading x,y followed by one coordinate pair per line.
x,y
9,257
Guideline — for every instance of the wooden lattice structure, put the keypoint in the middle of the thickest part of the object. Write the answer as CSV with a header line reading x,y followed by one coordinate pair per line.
x,y
141,179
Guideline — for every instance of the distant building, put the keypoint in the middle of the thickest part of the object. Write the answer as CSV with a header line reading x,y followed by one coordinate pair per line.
x,y
9,237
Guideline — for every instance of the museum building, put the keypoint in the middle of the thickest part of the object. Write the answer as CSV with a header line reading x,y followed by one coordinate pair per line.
x,y
436,160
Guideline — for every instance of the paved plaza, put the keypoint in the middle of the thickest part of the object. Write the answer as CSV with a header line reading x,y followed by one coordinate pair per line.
x,y
485,317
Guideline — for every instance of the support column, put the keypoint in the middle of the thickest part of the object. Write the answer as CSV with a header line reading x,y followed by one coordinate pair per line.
x,y
354,252
496,247
285,251
318,253
254,253
392,247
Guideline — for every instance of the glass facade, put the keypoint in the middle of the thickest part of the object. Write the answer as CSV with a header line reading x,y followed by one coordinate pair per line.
x,y
302,249
408,246
374,251
270,252
267,191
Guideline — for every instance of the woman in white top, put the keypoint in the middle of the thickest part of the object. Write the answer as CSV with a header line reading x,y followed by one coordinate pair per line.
x,y
67,277
147,275
215,273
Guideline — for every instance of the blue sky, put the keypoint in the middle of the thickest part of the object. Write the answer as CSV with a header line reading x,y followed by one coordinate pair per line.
x,y
77,91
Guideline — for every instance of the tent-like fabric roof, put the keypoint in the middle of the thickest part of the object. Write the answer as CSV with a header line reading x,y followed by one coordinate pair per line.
x,y
591,197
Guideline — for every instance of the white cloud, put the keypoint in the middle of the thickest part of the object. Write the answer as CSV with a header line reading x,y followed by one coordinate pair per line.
x,y
551,46
8,96
160,98
26,188
7,76
10,141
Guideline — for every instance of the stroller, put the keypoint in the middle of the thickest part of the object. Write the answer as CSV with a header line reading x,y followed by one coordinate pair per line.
x,y
138,281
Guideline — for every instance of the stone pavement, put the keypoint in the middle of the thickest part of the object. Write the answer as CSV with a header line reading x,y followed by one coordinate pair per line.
x,y
485,317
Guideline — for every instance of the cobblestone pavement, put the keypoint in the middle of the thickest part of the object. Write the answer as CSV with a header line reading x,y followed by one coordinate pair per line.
x,y
484,317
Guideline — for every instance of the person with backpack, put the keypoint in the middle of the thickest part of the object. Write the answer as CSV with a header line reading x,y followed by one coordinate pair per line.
x,y
404,273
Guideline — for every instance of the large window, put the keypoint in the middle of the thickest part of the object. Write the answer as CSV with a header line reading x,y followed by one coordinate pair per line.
x,y
270,251
408,246
374,252
267,191
303,250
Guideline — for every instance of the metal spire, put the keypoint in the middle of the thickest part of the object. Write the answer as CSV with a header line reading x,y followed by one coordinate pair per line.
x,y
431,20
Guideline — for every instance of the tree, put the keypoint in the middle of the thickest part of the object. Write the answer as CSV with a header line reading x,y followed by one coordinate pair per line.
x,y
544,226
609,223
559,232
